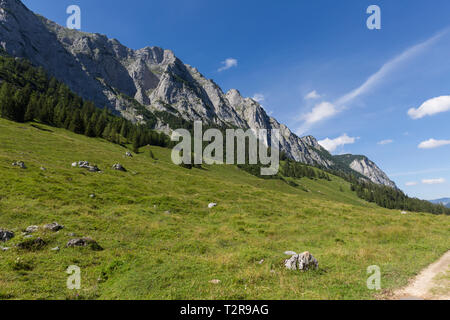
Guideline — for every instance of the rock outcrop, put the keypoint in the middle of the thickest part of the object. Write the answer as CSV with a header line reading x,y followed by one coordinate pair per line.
x,y
303,261
6,235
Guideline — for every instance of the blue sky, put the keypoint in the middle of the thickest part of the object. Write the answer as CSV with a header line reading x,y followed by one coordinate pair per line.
x,y
315,66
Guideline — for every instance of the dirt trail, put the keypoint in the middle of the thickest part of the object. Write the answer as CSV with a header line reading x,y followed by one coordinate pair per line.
x,y
432,283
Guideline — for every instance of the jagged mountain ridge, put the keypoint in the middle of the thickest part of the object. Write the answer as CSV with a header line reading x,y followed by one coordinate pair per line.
x,y
151,79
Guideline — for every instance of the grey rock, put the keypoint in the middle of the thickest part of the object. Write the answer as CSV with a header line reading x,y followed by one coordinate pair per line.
x,y
31,229
86,165
370,170
19,164
215,281
28,236
128,154
55,226
84,242
55,249
5,248
92,195
118,167
6,235
43,169
212,205
303,261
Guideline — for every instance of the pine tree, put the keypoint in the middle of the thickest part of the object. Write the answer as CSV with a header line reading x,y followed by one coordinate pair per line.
x,y
6,101
76,124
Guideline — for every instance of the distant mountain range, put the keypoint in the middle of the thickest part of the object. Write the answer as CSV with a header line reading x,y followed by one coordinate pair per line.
x,y
444,201
152,86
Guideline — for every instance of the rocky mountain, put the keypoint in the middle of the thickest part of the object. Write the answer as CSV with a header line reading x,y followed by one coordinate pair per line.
x,y
366,167
444,201
149,85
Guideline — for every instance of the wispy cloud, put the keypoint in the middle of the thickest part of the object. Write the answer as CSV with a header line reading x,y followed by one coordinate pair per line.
x,y
227,64
432,143
415,173
433,181
258,97
320,112
312,95
340,104
411,183
332,144
431,107
384,142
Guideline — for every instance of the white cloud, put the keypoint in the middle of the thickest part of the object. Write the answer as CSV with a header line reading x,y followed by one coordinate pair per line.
x,y
312,95
370,83
332,144
258,97
432,143
320,112
431,107
384,142
433,181
411,183
228,63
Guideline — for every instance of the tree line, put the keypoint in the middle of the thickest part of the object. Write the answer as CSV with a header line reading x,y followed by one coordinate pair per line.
x,y
297,170
387,197
28,94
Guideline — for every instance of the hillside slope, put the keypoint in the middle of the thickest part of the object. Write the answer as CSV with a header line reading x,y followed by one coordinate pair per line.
x,y
161,241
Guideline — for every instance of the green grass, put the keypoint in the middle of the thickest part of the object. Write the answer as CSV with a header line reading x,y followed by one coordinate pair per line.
x,y
151,254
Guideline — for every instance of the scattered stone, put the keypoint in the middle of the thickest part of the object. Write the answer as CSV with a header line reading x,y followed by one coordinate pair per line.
x,y
6,235
92,195
84,242
303,261
119,167
32,244
43,169
215,281
261,261
71,234
404,212
167,212
5,248
212,205
20,164
128,154
55,226
28,236
31,229
55,249
86,165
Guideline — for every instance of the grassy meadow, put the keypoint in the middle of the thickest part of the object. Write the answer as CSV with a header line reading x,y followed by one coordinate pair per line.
x,y
161,241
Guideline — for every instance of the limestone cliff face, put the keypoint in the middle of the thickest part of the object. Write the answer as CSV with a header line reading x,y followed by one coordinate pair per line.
x,y
136,83
366,167
370,170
